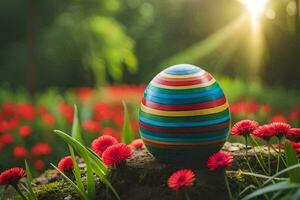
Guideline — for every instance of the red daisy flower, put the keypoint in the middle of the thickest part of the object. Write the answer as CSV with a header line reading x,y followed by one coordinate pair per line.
x,y
66,164
25,111
280,129
6,139
116,154
100,144
39,164
294,134
12,176
295,146
181,178
20,152
244,128
264,132
91,126
279,118
221,159
41,149
66,111
137,144
25,131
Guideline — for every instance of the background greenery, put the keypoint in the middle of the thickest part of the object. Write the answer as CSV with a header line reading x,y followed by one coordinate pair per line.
x,y
84,43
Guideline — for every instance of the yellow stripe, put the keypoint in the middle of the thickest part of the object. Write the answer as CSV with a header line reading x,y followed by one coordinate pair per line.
x,y
184,113
182,76
212,81
182,143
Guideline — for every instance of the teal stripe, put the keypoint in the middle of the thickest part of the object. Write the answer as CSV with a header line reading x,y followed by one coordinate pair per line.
x,y
185,140
184,101
186,134
182,91
184,124
183,96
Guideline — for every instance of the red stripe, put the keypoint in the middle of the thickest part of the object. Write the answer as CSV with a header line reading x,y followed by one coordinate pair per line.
x,y
204,79
183,107
184,129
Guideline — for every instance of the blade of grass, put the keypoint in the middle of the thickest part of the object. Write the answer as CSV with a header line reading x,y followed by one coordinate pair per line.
x,y
272,188
127,135
90,158
80,149
81,193
76,170
282,172
76,134
291,159
29,181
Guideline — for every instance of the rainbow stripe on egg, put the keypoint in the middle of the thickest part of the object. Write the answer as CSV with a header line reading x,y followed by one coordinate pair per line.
x,y
184,115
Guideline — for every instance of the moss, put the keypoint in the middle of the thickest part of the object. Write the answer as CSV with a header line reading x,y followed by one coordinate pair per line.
x,y
57,190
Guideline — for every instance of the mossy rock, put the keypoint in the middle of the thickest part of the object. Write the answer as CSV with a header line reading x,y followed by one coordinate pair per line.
x,y
143,178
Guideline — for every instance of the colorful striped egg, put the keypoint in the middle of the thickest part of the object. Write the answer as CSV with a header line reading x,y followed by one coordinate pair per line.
x,y
184,115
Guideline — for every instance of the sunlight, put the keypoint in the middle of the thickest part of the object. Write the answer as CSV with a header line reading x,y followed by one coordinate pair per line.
x,y
255,8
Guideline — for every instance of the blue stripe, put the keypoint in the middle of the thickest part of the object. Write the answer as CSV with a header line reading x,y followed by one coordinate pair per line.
x,y
184,124
185,134
187,140
184,101
182,69
182,96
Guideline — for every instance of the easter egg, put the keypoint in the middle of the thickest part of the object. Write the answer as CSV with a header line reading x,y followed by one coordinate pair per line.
x,y
184,115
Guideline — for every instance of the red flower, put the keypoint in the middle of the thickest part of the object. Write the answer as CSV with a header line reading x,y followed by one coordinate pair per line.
x,y
279,118
102,112
244,128
83,93
280,129
25,111
66,164
221,159
39,164
20,152
25,131
91,126
294,134
116,154
181,178
295,146
13,123
112,132
6,139
119,119
137,144
100,144
264,132
294,115
9,109
41,149
66,111
12,176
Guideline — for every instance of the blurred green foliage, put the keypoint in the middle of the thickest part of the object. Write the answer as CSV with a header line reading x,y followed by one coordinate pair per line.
x,y
98,41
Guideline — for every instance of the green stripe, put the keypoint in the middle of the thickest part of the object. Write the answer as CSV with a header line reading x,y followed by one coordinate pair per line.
x,y
181,91
183,119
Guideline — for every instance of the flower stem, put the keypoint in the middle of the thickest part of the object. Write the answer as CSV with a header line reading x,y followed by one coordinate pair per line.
x,y
260,160
269,158
228,188
19,192
279,154
186,196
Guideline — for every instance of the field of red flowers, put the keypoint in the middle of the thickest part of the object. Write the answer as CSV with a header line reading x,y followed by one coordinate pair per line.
x,y
26,125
